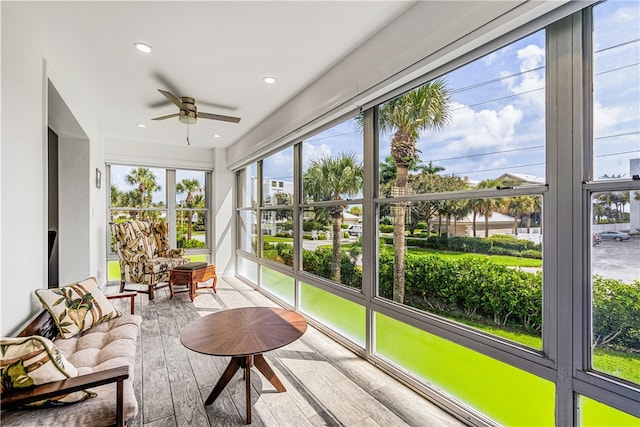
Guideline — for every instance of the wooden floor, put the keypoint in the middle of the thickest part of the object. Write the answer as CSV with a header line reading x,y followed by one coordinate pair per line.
x,y
326,383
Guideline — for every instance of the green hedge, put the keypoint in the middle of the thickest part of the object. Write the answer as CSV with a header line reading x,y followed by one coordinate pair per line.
x,y
472,288
495,245
616,313
190,244
482,291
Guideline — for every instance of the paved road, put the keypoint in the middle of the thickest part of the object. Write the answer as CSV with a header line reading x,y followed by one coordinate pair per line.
x,y
617,260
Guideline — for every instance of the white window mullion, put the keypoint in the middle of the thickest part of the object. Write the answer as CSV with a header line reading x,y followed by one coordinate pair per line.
x,y
171,206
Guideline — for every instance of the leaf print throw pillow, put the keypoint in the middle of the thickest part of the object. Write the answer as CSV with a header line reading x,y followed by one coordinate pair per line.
x,y
77,307
30,361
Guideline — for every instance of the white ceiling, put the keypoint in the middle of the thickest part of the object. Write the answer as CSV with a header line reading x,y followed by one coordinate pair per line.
x,y
216,52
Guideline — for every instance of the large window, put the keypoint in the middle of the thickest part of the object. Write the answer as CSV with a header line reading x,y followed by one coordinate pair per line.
x,y
142,193
332,183
488,218
247,184
276,214
615,210
444,248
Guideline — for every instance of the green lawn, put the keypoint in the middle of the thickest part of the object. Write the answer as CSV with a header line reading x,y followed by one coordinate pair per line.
x,y
617,363
276,239
509,261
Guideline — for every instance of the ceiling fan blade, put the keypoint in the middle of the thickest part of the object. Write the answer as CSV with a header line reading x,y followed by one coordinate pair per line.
x,y
167,117
218,117
171,97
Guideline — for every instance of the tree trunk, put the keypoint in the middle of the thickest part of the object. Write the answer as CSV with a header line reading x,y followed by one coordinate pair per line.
x,y
486,225
337,253
515,225
399,237
474,224
189,216
529,223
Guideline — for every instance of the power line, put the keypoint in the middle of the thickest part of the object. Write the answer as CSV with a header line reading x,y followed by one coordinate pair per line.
x,y
617,69
617,154
499,79
489,153
497,99
501,168
617,135
616,46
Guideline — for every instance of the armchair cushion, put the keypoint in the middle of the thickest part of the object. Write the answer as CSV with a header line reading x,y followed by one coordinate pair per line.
x,y
77,307
35,360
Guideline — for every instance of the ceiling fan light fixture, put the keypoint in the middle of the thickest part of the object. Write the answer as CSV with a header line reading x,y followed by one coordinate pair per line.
x,y
188,120
142,47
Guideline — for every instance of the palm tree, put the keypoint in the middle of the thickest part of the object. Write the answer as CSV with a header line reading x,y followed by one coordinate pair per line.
x,y
189,186
487,207
331,178
422,109
145,182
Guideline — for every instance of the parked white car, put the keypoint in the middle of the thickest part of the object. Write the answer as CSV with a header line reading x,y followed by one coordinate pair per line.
x,y
355,230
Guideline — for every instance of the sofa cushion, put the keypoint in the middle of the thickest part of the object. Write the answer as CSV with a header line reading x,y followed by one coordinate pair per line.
x,y
77,307
34,360
104,346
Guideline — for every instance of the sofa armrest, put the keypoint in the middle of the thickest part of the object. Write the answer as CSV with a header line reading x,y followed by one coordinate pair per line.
x,y
19,397
131,295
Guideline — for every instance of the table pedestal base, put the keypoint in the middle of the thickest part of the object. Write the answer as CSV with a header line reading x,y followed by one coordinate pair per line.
x,y
245,362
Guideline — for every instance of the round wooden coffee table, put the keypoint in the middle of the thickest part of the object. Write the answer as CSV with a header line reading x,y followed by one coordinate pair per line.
x,y
244,334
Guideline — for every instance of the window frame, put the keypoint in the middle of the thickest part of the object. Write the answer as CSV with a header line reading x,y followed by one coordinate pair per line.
x,y
170,208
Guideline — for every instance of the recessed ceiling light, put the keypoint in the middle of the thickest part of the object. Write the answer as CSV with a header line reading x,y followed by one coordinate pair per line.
x,y
215,135
142,125
269,80
142,47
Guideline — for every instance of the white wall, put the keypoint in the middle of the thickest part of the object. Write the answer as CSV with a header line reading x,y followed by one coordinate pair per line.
x,y
28,61
74,245
224,216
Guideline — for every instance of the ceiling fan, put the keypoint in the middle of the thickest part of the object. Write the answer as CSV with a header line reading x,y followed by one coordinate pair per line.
x,y
188,113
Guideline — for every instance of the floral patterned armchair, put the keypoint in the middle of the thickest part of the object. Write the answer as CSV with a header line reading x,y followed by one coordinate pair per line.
x,y
145,257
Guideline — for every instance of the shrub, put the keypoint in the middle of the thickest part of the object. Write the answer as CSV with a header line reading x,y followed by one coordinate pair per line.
x,y
468,288
616,312
190,244
312,225
318,262
384,228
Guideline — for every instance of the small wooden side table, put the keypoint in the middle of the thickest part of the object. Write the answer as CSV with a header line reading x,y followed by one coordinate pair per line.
x,y
190,275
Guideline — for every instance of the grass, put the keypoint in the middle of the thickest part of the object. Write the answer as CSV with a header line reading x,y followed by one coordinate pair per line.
x,y
509,261
276,239
617,363
530,340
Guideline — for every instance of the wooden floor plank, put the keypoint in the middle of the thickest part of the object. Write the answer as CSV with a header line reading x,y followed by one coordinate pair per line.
x,y
188,404
327,384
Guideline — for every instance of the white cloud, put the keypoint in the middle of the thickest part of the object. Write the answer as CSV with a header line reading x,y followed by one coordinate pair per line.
x,y
529,85
476,129
606,117
314,152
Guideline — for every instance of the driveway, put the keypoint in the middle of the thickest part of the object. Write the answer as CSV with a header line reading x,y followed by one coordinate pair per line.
x,y
617,260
